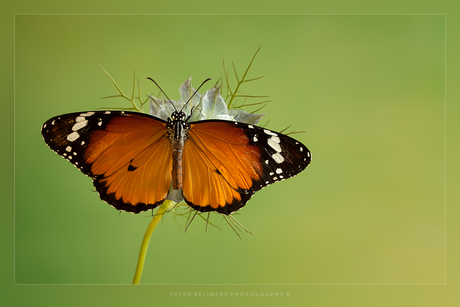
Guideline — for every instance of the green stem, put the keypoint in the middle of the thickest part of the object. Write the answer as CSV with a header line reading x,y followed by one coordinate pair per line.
x,y
135,107
146,240
242,79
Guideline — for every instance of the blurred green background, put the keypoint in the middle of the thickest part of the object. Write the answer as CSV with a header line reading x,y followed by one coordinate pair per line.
x,y
367,90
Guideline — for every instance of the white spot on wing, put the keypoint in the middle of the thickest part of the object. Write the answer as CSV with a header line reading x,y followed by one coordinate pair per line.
x,y
278,158
279,171
276,139
270,132
255,139
251,126
73,136
274,144
68,148
79,124
87,114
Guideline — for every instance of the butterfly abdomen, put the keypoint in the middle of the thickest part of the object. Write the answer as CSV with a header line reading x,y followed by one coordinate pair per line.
x,y
177,166
177,132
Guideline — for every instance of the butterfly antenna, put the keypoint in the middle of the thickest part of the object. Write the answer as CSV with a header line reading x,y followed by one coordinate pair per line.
x,y
196,91
163,92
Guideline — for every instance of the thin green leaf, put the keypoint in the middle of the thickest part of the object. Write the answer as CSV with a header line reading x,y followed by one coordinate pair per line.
x,y
113,96
134,85
233,94
255,111
250,104
294,132
253,79
113,81
250,96
236,74
135,107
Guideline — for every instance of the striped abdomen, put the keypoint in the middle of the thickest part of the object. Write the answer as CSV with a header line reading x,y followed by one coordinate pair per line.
x,y
177,165
177,130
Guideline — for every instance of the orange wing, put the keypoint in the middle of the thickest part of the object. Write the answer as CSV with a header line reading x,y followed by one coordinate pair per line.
x,y
225,163
127,154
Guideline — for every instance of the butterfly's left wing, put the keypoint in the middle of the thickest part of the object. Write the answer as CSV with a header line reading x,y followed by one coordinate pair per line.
x,y
127,154
225,163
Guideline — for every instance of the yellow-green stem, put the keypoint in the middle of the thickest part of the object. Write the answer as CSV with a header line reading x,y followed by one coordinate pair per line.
x,y
145,242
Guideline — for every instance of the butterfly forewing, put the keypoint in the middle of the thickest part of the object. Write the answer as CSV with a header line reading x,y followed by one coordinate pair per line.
x,y
129,157
225,163
127,154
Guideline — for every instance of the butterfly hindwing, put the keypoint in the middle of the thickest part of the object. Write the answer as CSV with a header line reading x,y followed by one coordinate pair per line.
x,y
129,157
127,154
225,163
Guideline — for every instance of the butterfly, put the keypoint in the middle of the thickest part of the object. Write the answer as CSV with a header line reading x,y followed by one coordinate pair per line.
x,y
136,160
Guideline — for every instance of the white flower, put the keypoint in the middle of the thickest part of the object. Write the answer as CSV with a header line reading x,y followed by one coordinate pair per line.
x,y
209,106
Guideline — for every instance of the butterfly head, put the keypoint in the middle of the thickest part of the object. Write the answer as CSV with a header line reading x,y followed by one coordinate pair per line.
x,y
178,116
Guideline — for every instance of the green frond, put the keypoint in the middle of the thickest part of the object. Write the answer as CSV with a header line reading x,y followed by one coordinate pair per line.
x,y
253,79
112,96
250,96
294,132
134,105
232,94
255,111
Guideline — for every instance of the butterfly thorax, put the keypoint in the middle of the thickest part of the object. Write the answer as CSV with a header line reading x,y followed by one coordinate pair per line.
x,y
177,135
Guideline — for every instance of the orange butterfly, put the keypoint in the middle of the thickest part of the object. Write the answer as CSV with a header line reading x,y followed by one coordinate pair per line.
x,y
136,160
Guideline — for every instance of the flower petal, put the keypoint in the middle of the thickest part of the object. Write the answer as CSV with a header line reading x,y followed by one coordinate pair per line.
x,y
214,106
209,106
160,107
245,117
186,90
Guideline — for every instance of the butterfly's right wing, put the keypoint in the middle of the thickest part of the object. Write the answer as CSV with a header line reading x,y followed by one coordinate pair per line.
x,y
127,154
226,162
